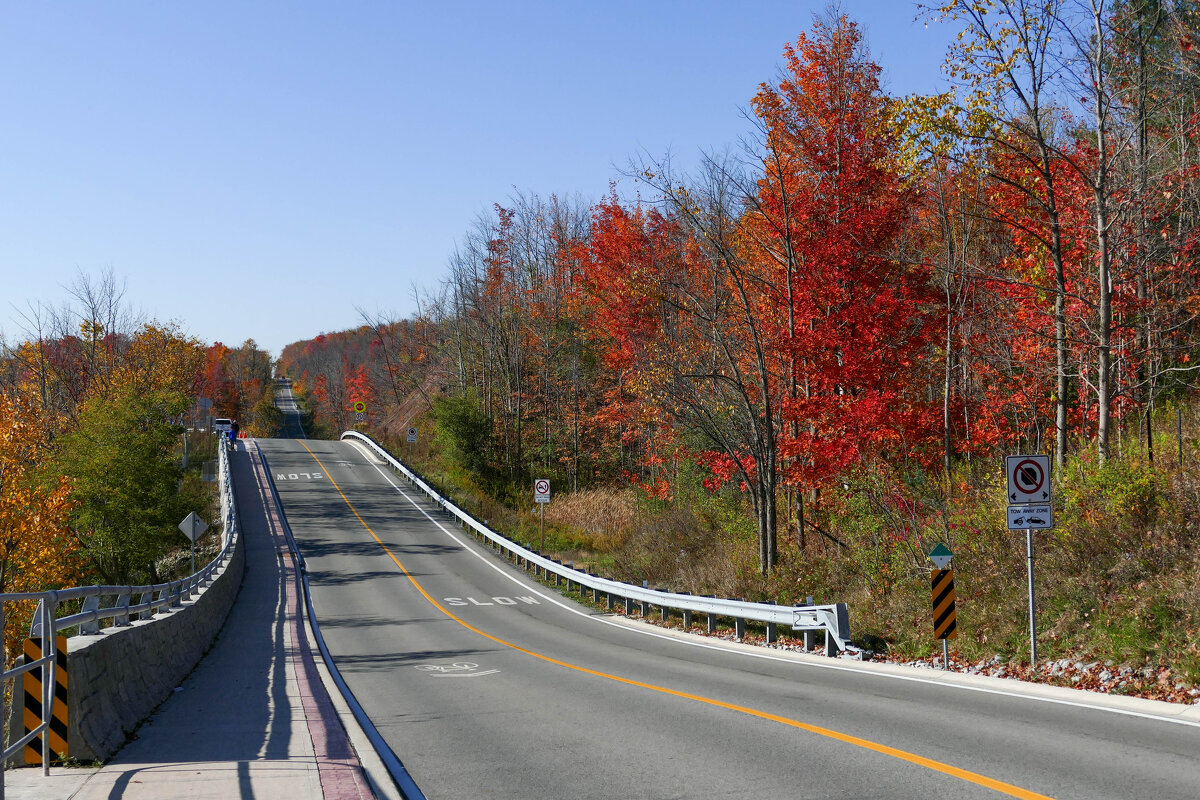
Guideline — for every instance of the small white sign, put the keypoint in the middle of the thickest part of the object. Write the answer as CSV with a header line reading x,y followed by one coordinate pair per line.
x,y
412,435
192,526
1033,517
541,490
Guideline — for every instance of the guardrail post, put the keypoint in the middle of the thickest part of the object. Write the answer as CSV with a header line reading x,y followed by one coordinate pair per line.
x,y
712,623
772,632
49,674
608,602
810,637
663,612
739,627
687,619
91,626
842,619
120,620
144,597
39,616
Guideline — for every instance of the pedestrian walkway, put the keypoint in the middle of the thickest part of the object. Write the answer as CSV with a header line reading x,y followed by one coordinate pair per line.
x,y
254,719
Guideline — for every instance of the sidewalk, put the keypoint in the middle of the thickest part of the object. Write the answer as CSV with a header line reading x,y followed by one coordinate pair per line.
x,y
253,720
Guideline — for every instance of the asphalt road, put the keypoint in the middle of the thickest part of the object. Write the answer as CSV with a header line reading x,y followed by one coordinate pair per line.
x,y
487,684
286,402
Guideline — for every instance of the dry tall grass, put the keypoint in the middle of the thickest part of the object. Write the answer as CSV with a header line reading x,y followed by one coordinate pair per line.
x,y
604,516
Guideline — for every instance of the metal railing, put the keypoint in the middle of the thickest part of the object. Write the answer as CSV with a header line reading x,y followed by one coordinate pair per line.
x,y
833,619
113,603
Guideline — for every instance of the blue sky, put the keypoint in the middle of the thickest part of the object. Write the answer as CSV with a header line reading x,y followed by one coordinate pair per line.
x,y
262,169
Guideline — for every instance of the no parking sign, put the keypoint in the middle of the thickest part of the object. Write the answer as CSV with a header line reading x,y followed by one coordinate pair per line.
x,y
1028,479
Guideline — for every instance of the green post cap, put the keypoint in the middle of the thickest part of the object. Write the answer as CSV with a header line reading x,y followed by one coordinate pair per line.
x,y
941,556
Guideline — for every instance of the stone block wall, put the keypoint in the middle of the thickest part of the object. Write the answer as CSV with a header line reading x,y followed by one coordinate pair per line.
x,y
118,677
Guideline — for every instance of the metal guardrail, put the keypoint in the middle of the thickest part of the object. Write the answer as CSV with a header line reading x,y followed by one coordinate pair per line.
x,y
833,619
108,603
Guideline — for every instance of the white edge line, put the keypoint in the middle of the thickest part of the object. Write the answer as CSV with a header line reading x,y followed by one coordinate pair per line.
x,y
791,659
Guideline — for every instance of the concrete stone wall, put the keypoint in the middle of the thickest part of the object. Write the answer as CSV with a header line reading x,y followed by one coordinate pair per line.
x,y
118,677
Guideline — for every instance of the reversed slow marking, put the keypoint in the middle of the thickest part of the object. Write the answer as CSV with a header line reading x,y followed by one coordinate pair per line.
x,y
902,755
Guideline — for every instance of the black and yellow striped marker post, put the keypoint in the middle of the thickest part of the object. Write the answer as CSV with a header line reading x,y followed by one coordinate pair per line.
x,y
944,625
57,735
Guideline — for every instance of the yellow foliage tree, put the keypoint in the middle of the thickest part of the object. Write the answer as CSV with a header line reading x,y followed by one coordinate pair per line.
x,y
37,547
160,359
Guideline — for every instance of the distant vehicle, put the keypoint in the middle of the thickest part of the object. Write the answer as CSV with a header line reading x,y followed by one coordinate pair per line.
x,y
222,425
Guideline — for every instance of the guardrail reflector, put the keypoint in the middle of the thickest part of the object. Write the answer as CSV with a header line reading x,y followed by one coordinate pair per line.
x,y
33,701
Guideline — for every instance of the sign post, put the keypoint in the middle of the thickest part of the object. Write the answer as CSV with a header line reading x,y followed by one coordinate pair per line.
x,y
412,437
1030,508
941,580
541,496
192,526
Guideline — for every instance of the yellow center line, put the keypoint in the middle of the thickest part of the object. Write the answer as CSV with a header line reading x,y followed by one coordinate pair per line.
x,y
866,744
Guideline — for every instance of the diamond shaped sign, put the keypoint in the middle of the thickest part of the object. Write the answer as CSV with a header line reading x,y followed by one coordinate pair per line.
x,y
192,526
941,556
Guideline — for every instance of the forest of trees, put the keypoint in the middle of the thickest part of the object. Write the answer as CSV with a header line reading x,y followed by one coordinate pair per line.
x,y
95,408
871,288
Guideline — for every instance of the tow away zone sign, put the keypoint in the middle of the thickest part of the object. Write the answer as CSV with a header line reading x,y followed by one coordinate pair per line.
x,y
1035,517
